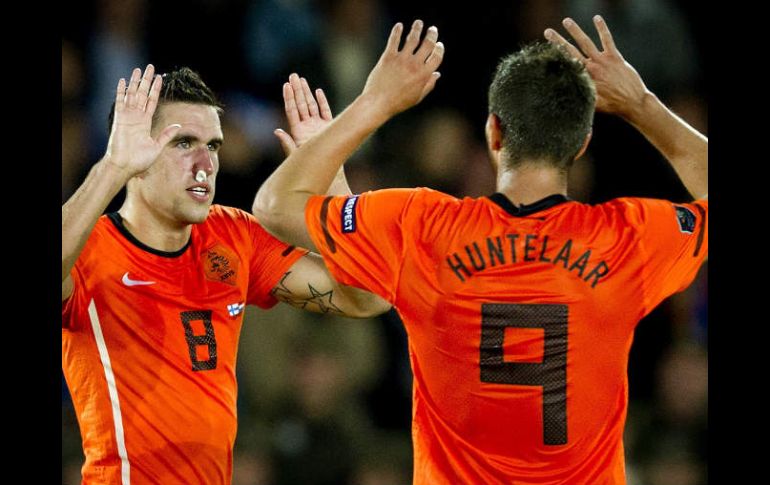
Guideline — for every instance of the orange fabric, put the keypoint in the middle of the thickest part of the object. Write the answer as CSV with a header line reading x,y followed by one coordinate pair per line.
x,y
178,423
565,286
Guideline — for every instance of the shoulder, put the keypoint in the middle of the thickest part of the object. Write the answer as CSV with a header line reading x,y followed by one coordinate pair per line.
x,y
433,195
412,203
427,199
644,212
230,220
231,225
406,194
634,209
103,237
221,214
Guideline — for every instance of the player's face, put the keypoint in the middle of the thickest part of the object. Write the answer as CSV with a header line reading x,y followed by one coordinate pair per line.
x,y
170,186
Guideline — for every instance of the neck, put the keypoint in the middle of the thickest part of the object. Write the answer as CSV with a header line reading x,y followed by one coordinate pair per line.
x,y
154,230
529,183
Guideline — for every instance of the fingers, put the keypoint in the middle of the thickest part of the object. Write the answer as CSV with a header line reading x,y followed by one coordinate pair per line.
x,y
323,104
312,106
290,105
144,86
430,84
142,92
413,38
395,38
429,51
555,38
299,96
120,95
581,39
287,142
299,102
435,58
154,96
428,43
133,85
608,44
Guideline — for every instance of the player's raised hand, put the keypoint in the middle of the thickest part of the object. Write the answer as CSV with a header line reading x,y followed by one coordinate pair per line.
x,y
402,78
306,114
131,146
619,88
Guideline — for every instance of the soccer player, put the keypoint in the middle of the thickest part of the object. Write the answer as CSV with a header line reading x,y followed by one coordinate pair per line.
x,y
153,294
520,307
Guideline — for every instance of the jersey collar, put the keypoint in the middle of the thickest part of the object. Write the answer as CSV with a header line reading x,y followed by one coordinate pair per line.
x,y
527,209
117,220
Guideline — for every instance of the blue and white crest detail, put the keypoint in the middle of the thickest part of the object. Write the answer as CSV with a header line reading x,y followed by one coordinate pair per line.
x,y
349,214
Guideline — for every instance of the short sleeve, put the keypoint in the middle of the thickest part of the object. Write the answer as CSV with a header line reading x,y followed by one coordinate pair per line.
x,y
270,260
69,306
673,244
362,237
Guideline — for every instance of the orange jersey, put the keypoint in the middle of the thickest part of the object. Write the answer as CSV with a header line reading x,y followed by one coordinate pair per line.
x,y
519,320
149,343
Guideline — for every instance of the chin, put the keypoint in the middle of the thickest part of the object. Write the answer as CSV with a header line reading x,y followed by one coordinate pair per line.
x,y
197,215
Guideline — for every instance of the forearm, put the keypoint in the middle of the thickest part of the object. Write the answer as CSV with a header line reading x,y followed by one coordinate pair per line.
x,y
311,169
80,213
684,147
309,286
360,303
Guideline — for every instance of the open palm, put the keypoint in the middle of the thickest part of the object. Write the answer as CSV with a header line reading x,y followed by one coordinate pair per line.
x,y
306,115
131,145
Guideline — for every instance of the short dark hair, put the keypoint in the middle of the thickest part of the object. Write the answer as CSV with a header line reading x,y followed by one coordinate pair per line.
x,y
181,85
545,101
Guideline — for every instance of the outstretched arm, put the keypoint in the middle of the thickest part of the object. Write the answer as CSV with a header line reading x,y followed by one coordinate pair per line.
x,y
399,80
308,285
131,150
621,91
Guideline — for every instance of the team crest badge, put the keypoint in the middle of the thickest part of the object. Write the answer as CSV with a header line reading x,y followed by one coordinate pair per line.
x,y
686,219
220,265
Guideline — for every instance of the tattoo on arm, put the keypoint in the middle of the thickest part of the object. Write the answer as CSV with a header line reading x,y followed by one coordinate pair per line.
x,y
318,301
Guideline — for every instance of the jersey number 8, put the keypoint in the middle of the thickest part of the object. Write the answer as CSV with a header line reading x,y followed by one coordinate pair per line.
x,y
194,341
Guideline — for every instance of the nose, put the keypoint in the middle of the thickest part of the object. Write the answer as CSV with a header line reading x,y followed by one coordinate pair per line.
x,y
203,160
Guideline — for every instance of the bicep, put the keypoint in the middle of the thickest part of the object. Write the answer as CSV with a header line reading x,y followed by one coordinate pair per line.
x,y
309,286
66,288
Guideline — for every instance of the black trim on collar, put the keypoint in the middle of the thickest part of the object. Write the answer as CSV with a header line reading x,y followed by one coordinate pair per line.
x,y
528,209
117,220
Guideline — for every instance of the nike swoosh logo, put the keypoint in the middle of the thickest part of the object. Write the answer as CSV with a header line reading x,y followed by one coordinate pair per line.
x,y
129,282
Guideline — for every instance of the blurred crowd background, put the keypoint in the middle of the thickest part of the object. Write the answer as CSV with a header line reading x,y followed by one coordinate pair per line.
x,y
326,400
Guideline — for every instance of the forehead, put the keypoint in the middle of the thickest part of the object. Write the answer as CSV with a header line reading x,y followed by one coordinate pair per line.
x,y
198,119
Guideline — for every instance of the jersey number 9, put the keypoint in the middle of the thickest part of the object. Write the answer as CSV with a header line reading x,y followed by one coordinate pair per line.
x,y
550,374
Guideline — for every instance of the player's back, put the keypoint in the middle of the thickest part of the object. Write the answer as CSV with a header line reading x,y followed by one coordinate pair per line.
x,y
520,322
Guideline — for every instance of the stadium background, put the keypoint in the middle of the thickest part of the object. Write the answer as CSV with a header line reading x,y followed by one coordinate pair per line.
x,y
326,400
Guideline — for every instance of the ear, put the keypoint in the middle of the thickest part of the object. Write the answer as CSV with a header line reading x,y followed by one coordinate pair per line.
x,y
494,132
585,145
494,135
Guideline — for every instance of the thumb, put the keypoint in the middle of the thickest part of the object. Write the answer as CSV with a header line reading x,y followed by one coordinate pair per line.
x,y
168,133
287,142
430,84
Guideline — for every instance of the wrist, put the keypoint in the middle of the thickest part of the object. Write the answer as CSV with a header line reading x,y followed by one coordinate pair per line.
x,y
112,170
374,109
642,108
